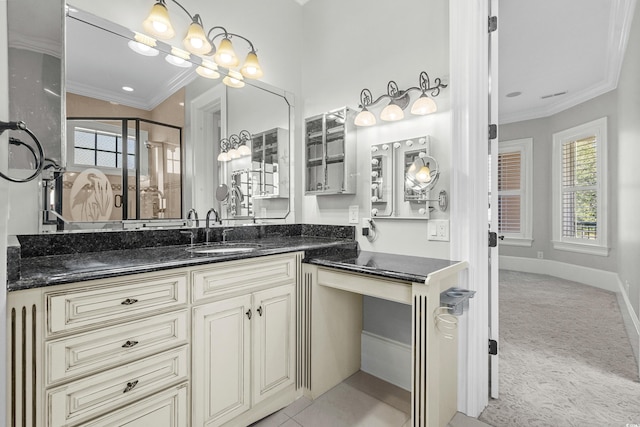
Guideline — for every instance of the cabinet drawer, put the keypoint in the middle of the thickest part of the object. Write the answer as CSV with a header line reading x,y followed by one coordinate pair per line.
x,y
243,276
97,350
108,302
164,409
100,393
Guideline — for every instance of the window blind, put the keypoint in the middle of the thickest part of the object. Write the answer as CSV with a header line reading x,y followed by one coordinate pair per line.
x,y
510,192
579,189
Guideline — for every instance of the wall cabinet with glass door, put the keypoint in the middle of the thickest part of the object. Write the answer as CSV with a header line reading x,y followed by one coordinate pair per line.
x,y
269,162
330,144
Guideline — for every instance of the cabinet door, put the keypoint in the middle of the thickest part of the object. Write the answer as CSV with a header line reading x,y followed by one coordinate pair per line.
x,y
273,341
221,360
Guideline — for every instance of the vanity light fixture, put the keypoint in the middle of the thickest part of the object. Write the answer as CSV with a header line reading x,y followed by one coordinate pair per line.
x,y
208,69
233,79
399,100
234,147
179,58
142,48
200,42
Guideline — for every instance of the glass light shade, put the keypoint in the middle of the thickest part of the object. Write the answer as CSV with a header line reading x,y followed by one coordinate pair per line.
x,y
158,22
233,154
365,118
208,70
225,55
251,68
196,40
142,48
423,106
243,150
223,157
392,113
233,79
424,174
177,61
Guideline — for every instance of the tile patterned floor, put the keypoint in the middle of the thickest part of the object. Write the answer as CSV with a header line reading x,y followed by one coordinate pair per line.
x,y
347,405
361,400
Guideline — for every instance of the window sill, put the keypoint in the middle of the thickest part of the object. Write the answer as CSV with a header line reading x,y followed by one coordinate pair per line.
x,y
581,248
516,241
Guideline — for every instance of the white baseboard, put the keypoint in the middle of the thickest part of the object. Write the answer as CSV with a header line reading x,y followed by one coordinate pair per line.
x,y
606,280
386,359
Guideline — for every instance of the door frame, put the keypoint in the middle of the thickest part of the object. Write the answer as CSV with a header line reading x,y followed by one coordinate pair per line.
x,y
469,44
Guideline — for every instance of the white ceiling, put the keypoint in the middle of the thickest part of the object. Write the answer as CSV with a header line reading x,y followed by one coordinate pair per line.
x,y
549,47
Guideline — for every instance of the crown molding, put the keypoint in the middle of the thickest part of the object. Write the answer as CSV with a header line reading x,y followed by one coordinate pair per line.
x,y
620,21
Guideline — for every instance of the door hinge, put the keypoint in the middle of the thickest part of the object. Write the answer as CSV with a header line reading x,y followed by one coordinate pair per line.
x,y
493,23
493,131
493,347
493,239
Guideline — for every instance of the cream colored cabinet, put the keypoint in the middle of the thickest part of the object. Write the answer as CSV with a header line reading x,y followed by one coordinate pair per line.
x,y
243,353
273,341
165,409
207,345
221,360
86,352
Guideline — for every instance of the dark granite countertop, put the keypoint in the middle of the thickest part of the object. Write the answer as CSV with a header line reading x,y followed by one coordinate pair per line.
x,y
390,266
51,270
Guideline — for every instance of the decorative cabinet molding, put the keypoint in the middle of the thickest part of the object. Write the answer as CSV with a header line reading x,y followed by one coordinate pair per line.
x,y
116,352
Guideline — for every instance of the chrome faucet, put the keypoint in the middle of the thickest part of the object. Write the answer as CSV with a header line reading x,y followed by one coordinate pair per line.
x,y
193,212
207,228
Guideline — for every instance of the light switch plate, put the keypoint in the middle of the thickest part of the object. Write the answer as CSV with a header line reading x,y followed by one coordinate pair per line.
x,y
438,230
353,214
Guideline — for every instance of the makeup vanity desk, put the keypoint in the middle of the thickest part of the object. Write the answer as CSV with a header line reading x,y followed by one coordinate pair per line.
x,y
330,302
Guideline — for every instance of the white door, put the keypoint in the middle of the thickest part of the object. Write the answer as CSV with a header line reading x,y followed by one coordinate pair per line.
x,y
493,202
221,360
273,341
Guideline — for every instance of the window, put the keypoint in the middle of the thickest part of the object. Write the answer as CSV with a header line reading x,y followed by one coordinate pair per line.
x,y
173,160
103,149
515,191
579,187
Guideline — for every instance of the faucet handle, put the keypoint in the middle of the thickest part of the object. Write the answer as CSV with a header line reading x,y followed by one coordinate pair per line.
x,y
192,234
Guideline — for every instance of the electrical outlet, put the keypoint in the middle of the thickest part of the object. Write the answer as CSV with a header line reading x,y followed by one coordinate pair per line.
x,y
626,286
353,214
540,255
438,229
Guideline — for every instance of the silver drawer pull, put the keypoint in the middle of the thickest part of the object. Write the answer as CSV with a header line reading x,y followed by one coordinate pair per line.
x,y
129,301
130,386
129,344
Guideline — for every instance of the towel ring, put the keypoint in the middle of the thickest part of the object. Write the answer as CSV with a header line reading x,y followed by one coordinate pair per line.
x,y
39,156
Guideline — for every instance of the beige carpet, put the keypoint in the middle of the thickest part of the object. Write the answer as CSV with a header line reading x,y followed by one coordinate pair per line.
x,y
565,359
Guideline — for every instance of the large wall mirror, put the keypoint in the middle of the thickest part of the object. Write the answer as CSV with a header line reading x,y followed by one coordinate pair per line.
x,y
143,136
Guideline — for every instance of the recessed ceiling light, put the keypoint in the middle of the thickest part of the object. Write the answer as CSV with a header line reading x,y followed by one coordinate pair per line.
x,y
513,94
127,89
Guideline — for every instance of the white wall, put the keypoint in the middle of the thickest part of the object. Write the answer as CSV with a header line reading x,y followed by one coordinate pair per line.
x,y
627,167
542,130
358,44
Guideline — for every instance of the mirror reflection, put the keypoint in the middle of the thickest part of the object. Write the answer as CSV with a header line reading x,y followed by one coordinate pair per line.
x,y
121,90
402,177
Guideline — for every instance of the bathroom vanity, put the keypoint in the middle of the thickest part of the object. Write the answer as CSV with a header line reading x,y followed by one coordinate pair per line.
x,y
167,336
